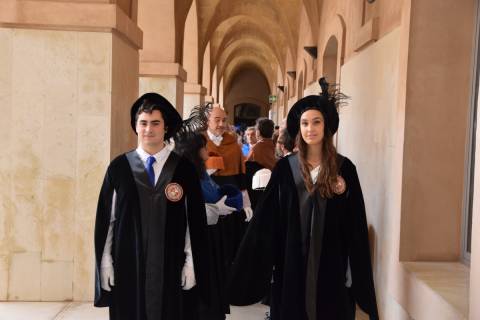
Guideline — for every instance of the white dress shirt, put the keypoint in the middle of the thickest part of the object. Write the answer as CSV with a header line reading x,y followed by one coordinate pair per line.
x,y
217,140
314,173
160,159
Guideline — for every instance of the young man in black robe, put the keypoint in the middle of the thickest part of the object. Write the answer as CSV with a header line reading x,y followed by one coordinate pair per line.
x,y
150,230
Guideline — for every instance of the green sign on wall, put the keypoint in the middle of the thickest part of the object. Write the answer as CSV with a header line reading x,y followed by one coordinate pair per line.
x,y
272,99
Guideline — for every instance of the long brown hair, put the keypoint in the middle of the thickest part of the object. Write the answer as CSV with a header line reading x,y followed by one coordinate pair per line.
x,y
327,177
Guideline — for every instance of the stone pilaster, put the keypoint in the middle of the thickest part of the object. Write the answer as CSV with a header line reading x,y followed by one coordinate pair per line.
x,y
68,75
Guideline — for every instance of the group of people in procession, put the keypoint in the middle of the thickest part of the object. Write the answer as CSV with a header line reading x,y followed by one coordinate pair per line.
x,y
180,234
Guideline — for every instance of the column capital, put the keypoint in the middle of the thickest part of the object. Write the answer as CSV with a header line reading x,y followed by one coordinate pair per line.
x,y
162,69
75,16
194,88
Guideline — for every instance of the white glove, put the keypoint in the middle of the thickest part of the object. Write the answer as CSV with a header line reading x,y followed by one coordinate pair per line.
x,y
223,209
212,213
188,277
211,171
217,209
107,277
249,213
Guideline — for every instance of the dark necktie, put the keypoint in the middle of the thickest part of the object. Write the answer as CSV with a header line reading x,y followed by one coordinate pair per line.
x,y
151,174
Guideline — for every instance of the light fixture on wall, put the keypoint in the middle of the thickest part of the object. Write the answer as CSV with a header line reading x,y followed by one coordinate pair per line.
x,y
312,51
281,88
292,74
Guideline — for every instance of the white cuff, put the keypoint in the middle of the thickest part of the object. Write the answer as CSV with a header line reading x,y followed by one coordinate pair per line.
x,y
246,199
188,249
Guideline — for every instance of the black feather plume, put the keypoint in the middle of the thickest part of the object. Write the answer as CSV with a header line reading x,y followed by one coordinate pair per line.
x,y
332,93
197,120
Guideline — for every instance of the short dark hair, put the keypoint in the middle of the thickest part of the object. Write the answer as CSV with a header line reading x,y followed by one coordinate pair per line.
x,y
285,139
148,107
266,127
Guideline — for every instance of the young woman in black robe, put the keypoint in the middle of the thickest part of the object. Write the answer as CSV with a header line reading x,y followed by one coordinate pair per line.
x,y
309,233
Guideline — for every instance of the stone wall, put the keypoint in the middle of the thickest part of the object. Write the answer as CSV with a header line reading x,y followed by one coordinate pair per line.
x,y
57,135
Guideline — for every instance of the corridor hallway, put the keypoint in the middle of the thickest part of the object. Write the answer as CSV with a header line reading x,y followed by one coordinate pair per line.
x,y
85,311
71,69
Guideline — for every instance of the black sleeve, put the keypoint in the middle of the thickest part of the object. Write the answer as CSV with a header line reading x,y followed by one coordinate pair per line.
x,y
360,262
102,222
251,270
197,221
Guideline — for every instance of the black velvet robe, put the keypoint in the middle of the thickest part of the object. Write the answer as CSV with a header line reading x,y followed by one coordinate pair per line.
x,y
273,244
127,300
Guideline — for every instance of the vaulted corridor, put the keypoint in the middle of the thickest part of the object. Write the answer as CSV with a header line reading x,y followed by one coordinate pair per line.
x,y
71,69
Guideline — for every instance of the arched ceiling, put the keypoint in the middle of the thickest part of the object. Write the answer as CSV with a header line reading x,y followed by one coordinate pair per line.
x,y
245,33
248,48
243,28
238,63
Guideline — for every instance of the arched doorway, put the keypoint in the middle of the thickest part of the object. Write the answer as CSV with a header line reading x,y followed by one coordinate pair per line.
x,y
245,114
330,56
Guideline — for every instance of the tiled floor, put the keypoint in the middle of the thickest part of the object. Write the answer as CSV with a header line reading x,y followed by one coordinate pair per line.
x,y
85,311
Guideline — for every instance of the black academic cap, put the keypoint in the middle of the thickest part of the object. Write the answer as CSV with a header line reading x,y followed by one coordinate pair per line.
x,y
173,120
326,103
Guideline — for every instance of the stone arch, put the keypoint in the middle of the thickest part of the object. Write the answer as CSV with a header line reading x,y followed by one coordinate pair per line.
x,y
335,28
240,32
159,35
206,71
221,91
272,19
330,61
312,11
300,85
182,9
190,59
306,39
238,62
290,66
246,49
215,85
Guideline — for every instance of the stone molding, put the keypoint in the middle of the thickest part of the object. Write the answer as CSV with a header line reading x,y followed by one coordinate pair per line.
x,y
194,88
367,34
75,16
162,69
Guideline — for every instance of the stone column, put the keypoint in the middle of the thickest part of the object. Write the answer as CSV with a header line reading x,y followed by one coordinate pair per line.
x,y
68,75
194,95
166,79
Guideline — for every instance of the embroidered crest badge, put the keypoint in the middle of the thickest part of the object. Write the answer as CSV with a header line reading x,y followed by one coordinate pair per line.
x,y
340,185
174,192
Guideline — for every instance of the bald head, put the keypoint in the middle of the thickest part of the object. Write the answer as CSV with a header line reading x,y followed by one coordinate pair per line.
x,y
217,121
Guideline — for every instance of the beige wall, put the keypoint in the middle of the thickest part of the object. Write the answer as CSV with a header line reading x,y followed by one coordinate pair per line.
x,y
57,93
436,128
475,256
171,87
194,96
370,134
409,148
